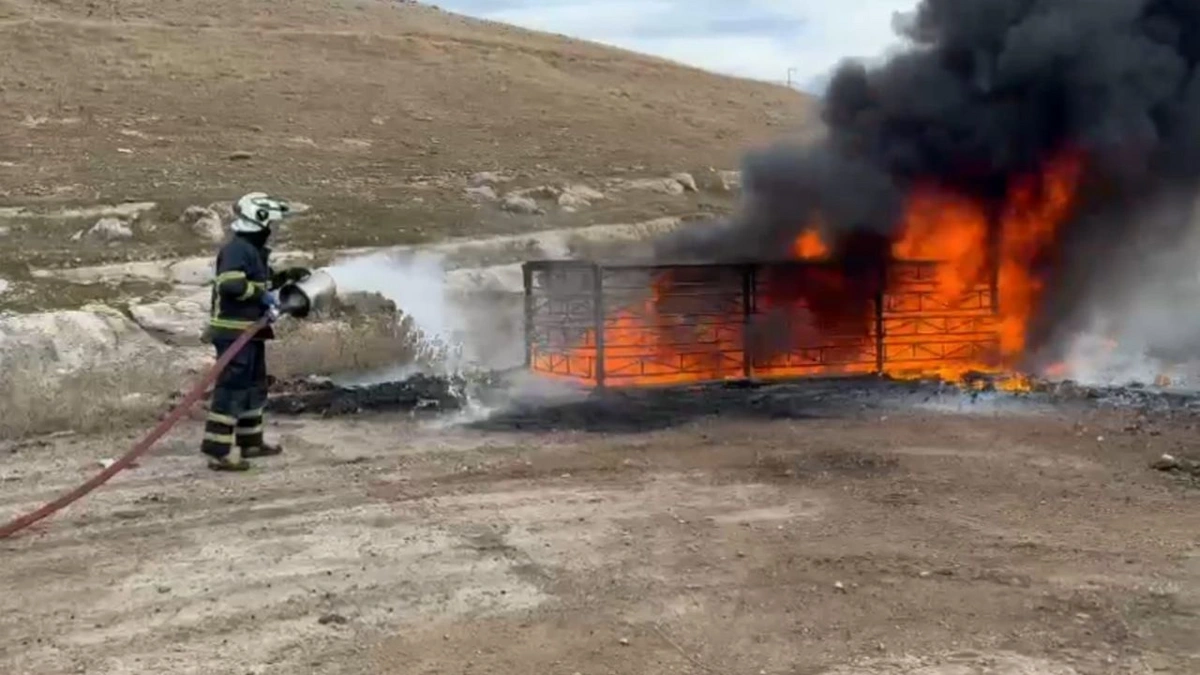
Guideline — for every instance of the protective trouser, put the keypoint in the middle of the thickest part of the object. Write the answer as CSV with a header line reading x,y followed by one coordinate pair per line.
x,y
236,412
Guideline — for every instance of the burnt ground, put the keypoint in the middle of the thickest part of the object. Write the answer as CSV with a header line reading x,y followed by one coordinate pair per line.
x,y
852,528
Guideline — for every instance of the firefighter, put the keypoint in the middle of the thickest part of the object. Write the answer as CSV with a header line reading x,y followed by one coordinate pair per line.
x,y
245,289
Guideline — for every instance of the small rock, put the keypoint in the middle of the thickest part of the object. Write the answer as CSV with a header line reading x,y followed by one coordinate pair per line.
x,y
331,618
240,155
572,203
839,587
578,197
1166,463
590,194
731,181
624,642
521,205
482,193
485,178
4,286
5,230
540,192
686,180
224,210
110,229
667,186
204,223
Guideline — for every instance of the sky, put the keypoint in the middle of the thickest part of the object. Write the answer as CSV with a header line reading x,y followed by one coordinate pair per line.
x,y
761,39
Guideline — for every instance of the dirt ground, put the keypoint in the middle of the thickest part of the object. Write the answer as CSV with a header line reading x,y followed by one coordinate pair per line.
x,y
865,542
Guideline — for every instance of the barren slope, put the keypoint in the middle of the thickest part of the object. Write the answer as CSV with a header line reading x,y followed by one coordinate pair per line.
x,y
338,100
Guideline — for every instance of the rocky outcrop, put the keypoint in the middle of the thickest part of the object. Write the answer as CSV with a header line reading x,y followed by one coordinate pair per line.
x,y
191,272
61,343
177,320
186,271
127,211
483,275
483,187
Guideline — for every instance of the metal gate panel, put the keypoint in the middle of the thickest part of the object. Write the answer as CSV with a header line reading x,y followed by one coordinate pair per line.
x,y
638,325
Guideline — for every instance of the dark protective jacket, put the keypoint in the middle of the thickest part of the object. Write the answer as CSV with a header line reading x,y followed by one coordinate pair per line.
x,y
243,277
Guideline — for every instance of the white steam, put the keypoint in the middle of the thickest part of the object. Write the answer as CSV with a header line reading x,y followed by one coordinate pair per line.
x,y
1095,360
463,324
1149,332
416,284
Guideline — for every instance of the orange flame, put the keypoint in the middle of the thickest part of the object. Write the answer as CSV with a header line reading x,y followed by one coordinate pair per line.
x,y
937,224
1036,207
942,226
810,246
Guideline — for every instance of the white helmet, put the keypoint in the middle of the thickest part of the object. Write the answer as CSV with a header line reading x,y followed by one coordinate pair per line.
x,y
256,211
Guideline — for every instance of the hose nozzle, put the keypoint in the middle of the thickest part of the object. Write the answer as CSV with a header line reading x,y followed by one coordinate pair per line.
x,y
302,298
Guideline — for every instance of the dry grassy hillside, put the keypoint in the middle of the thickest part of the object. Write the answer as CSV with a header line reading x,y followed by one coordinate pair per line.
x,y
358,107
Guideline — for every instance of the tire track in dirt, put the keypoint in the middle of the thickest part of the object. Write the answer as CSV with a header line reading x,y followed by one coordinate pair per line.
x,y
771,546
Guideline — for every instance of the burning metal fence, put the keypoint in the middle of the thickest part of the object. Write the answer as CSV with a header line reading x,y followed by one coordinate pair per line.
x,y
643,325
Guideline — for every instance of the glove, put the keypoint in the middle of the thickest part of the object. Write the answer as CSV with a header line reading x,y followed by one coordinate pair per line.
x,y
271,301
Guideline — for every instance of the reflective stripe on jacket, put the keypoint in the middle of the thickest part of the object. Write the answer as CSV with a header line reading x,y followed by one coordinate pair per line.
x,y
243,276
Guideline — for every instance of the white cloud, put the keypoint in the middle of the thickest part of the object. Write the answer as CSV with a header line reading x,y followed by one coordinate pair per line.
x,y
751,38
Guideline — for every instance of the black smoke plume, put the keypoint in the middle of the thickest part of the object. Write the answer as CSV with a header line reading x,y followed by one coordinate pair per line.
x,y
987,91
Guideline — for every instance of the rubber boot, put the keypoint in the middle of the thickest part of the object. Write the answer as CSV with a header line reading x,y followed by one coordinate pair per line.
x,y
228,464
264,450
234,461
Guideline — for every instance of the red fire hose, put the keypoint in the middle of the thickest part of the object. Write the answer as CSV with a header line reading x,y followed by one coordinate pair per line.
x,y
142,446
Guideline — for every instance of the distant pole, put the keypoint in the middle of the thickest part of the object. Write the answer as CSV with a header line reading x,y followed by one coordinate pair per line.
x,y
789,76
